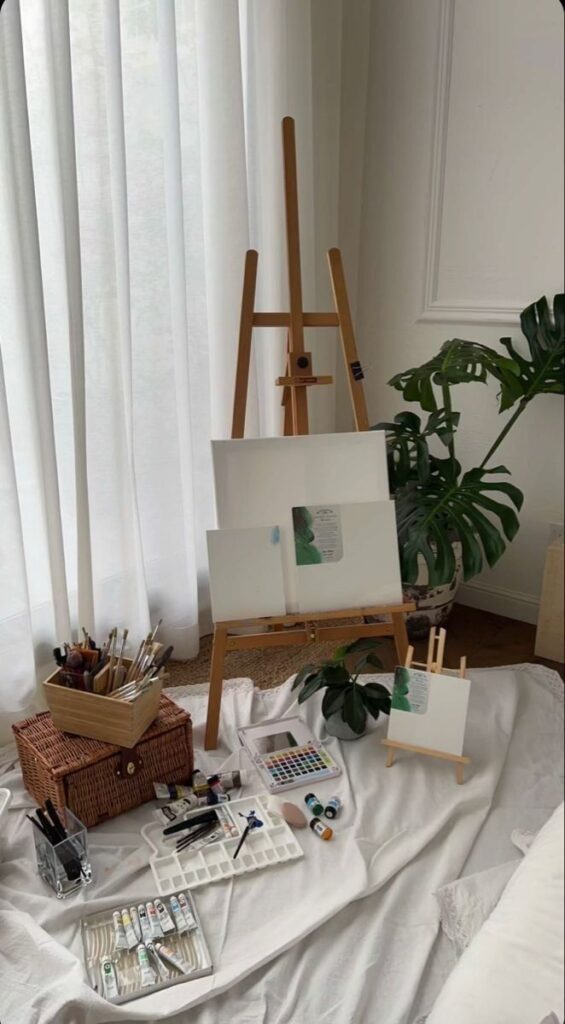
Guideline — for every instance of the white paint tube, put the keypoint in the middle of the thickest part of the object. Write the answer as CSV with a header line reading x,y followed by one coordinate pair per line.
x,y
179,808
120,941
146,932
147,974
109,979
175,959
180,919
165,920
156,930
136,924
161,967
187,911
128,929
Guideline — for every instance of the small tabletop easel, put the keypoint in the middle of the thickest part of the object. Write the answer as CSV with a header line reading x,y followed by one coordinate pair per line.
x,y
433,663
297,378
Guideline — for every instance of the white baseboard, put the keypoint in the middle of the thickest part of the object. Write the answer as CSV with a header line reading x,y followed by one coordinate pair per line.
x,y
513,604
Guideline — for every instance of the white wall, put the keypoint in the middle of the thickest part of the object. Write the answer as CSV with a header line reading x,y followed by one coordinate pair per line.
x,y
461,223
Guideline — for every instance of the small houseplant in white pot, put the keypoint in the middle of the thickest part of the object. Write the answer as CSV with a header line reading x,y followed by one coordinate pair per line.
x,y
452,520
346,702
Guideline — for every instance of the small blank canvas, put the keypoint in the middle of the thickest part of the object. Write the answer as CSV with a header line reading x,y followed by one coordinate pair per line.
x,y
246,577
442,725
368,569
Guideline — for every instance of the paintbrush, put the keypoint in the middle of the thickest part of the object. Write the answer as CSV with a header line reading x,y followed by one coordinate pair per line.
x,y
118,670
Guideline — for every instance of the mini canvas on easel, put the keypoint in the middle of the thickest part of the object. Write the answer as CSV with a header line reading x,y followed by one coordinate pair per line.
x,y
429,707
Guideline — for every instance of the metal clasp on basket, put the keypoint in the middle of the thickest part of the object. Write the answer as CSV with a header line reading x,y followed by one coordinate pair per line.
x,y
130,761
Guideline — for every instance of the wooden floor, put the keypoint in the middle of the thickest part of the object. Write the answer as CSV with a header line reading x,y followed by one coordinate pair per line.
x,y
489,640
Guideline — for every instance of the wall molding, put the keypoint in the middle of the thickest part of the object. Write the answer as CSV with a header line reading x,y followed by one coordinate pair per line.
x,y
513,604
436,311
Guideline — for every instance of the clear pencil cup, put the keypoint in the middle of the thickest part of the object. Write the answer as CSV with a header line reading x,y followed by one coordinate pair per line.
x,y
64,866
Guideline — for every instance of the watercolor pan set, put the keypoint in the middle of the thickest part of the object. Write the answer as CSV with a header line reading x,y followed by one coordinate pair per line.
x,y
285,754
99,945
272,844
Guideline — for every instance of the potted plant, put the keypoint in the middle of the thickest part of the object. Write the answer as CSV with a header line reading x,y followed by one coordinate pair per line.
x,y
452,520
346,703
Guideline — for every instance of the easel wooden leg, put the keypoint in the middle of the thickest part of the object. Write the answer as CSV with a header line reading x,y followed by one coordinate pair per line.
x,y
350,354
299,400
244,349
390,758
216,684
400,637
460,773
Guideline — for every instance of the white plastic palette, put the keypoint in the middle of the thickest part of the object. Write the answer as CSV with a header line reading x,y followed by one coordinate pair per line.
x,y
274,843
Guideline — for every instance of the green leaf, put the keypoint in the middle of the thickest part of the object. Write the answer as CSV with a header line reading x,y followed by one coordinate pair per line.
x,y
408,454
339,653
314,683
335,674
354,712
304,675
430,517
544,371
365,643
376,698
333,700
377,690
457,362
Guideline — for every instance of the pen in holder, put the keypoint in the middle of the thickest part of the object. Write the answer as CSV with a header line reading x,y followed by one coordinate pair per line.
x,y
62,854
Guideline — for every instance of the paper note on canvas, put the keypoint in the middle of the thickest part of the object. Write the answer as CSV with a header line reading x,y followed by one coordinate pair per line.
x,y
317,534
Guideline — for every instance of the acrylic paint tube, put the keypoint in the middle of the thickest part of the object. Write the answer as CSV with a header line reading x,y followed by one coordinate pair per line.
x,y
216,785
226,821
156,930
161,967
322,830
228,780
165,920
313,804
146,932
199,781
168,791
332,807
109,979
147,974
186,909
170,812
173,958
180,919
136,924
120,941
128,929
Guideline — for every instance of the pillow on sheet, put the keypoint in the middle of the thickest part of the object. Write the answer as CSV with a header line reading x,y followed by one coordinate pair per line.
x,y
464,905
512,972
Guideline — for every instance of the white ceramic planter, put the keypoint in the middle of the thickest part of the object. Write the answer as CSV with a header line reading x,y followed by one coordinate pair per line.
x,y
335,726
433,603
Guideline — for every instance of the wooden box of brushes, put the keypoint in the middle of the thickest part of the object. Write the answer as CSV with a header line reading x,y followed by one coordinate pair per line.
x,y
101,715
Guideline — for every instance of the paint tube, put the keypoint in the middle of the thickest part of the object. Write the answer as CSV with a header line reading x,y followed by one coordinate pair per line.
x,y
168,791
199,781
147,974
187,911
156,930
136,924
230,829
228,780
161,967
120,941
180,919
165,920
180,808
109,979
175,959
128,929
146,932
216,786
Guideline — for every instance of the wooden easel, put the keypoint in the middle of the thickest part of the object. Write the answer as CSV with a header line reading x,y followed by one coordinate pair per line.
x,y
433,663
297,378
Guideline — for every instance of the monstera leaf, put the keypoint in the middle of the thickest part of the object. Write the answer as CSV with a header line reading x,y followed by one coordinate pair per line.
x,y
450,508
457,362
543,373
408,454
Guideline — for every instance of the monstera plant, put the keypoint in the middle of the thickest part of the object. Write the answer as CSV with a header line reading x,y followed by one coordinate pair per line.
x,y
440,506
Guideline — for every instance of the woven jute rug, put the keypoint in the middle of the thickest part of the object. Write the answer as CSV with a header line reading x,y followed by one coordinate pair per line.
x,y
267,667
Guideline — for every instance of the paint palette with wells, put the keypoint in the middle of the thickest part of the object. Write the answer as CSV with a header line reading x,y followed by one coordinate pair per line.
x,y
269,846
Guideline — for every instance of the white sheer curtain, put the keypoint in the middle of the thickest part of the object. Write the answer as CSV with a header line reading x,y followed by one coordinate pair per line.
x,y
139,157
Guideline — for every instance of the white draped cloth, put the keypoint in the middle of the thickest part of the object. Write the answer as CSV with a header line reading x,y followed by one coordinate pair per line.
x,y
349,934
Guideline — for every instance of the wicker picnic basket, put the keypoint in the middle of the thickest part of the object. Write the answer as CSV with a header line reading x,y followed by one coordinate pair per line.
x,y
97,780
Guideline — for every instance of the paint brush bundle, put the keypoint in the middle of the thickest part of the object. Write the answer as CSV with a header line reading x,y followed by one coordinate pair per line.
x,y
61,850
103,669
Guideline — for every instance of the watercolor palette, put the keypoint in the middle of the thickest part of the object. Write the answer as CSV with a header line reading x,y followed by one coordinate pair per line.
x,y
269,846
285,754
98,942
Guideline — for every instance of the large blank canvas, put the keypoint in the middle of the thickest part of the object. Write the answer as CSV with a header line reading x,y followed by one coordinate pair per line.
x,y
246,579
259,480
368,571
442,725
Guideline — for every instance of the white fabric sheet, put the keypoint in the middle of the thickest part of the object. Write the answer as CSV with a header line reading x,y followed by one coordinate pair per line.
x,y
340,959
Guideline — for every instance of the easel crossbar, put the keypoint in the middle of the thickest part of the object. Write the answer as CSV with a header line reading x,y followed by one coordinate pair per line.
x,y
298,617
